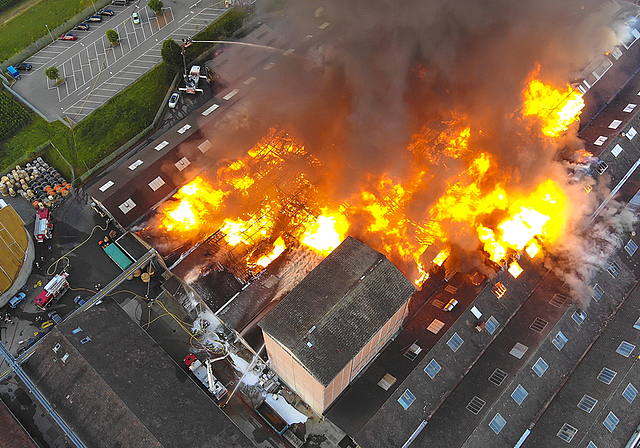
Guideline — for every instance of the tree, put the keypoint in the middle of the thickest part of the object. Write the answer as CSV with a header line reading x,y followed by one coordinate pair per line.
x,y
156,6
113,37
52,73
172,54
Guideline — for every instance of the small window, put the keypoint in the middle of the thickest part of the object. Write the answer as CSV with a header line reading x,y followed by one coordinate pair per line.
x,y
432,368
598,292
637,324
455,342
579,316
629,108
616,150
475,405
630,393
499,290
519,394
476,312
156,183
614,269
558,300
518,350
631,132
491,325
538,325
631,247
587,403
611,421
567,432
497,423
625,349
592,445
607,375
600,141
601,167
560,340
540,367
615,124
498,376
406,399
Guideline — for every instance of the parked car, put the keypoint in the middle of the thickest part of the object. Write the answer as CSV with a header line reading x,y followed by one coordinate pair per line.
x,y
53,315
95,18
106,12
173,101
83,26
78,300
17,299
69,36
218,52
451,304
136,18
24,66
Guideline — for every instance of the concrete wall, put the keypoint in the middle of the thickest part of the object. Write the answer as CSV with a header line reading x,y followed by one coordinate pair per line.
x,y
293,373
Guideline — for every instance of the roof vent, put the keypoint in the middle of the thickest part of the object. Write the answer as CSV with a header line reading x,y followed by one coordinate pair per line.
x,y
309,344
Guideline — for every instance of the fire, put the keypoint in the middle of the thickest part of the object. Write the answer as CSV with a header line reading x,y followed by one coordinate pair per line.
x,y
532,250
515,270
278,248
326,233
278,207
537,215
557,108
196,201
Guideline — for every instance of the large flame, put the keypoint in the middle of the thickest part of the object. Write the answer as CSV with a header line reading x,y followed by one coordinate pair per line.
x,y
277,207
556,108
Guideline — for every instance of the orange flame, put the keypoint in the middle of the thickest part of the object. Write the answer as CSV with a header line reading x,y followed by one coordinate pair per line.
x,y
473,201
556,108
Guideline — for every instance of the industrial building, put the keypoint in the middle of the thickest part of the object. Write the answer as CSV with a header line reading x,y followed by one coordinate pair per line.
x,y
335,321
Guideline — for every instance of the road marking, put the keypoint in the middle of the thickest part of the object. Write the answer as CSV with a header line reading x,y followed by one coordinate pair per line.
x,y
269,66
249,81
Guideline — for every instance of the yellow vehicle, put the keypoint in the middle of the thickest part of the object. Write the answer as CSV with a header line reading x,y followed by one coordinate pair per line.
x,y
47,324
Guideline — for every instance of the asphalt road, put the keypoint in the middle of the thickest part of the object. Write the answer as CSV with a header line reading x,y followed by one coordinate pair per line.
x,y
94,71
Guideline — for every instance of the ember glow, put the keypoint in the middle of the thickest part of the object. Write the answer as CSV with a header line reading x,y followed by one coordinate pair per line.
x,y
276,208
556,108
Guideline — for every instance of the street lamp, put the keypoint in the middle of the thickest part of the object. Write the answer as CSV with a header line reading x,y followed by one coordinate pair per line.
x,y
49,31
94,7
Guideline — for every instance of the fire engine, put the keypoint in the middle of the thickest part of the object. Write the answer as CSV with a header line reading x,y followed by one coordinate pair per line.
x,y
43,225
205,374
55,288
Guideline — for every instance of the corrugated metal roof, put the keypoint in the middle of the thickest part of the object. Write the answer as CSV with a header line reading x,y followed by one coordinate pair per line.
x,y
336,309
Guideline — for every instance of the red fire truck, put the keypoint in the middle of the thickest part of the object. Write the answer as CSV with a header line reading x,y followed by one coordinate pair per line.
x,y
43,226
55,288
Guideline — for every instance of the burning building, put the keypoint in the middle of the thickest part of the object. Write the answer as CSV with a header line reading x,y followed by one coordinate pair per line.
x,y
335,321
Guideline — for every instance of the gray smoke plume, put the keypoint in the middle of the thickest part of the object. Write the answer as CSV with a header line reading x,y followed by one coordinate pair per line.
x,y
360,89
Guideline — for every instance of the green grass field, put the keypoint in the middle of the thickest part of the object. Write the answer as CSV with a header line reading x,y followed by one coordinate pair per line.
x,y
120,119
13,114
17,33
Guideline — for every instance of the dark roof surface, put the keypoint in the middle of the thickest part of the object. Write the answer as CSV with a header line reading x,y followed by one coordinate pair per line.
x,y
13,435
355,287
119,388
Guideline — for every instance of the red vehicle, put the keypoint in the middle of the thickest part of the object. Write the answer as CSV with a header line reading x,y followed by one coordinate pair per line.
x,y
43,227
56,287
69,36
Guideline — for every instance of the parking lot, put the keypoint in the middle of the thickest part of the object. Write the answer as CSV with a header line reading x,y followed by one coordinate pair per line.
x,y
94,71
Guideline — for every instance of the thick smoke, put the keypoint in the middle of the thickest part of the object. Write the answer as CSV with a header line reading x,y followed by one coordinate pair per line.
x,y
360,90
